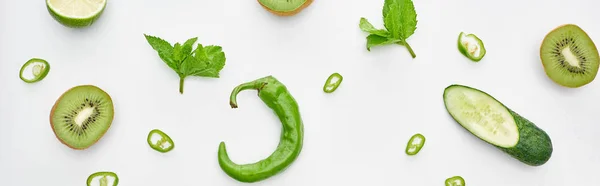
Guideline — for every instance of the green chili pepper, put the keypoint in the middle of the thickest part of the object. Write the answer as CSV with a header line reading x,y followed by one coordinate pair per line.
x,y
415,144
103,178
471,46
455,181
276,96
333,82
164,144
34,70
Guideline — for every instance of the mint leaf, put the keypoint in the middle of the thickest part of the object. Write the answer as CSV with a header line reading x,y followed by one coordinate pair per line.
x,y
386,7
368,27
211,61
178,55
376,40
185,61
159,44
400,22
408,18
187,46
164,50
392,22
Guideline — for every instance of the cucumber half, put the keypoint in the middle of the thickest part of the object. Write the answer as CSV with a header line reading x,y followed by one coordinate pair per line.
x,y
491,121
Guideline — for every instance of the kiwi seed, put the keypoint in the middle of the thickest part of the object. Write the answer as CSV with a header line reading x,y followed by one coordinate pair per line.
x,y
285,7
81,116
569,56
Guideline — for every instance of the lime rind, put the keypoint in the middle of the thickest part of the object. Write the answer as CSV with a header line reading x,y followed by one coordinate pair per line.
x,y
75,21
36,67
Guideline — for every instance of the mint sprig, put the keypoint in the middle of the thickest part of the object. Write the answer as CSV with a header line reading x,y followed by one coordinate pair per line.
x,y
204,61
400,21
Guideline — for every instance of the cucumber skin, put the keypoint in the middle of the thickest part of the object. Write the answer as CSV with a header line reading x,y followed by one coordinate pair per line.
x,y
534,147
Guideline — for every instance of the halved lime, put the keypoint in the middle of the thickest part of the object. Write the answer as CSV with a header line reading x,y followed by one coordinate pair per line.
x,y
76,13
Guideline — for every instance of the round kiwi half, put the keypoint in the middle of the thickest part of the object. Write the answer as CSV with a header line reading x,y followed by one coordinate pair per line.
x,y
569,56
285,7
81,116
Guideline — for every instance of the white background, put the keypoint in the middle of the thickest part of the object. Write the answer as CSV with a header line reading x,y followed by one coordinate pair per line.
x,y
355,136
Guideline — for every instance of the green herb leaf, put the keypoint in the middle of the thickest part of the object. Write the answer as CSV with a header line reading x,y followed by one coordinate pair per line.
x,y
386,6
400,22
164,50
368,27
185,61
159,44
408,17
376,40
210,61
187,46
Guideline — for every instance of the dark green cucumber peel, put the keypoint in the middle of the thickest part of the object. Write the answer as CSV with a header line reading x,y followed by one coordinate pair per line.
x,y
534,146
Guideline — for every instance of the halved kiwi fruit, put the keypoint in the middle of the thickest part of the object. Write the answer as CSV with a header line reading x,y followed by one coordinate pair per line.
x,y
81,116
569,56
285,7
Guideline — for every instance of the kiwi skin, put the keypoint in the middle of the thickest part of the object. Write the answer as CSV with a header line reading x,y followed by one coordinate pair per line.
x,y
291,13
592,48
56,105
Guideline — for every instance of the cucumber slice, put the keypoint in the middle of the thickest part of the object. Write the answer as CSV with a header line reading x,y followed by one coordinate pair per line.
x,y
491,121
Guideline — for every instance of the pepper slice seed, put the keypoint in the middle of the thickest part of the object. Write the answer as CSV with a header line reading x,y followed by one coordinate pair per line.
x,y
415,144
34,70
163,144
103,178
471,46
455,181
333,82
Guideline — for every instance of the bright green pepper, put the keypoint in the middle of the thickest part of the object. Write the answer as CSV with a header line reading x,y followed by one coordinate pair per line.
x,y
471,46
160,144
276,96
34,70
415,144
455,181
103,180
332,83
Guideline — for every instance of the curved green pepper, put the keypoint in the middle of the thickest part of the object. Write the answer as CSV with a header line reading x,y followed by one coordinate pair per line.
x,y
160,144
103,180
471,46
332,83
415,144
36,68
276,96
455,181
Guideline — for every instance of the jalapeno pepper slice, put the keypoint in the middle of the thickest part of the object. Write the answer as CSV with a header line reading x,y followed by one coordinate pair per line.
x,y
455,181
34,70
333,82
471,46
415,144
163,144
103,178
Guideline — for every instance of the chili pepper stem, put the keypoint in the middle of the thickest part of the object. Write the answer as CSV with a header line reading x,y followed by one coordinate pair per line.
x,y
181,85
412,53
257,85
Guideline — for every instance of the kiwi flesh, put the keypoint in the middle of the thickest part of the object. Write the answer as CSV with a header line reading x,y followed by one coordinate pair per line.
x,y
285,7
81,116
569,56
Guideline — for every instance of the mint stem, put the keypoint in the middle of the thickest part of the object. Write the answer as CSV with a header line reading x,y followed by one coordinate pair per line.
x,y
412,53
181,85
